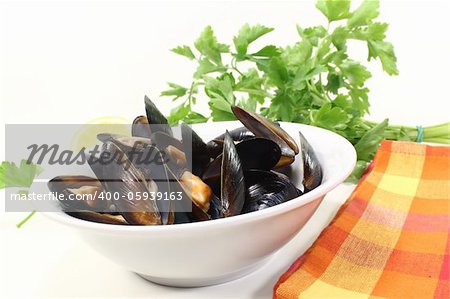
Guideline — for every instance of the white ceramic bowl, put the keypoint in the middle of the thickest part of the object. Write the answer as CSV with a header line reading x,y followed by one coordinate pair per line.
x,y
216,251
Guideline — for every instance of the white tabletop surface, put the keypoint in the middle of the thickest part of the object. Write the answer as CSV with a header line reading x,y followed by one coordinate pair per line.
x,y
44,259
72,61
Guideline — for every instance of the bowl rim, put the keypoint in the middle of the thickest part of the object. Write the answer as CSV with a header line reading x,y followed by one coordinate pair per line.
x,y
301,200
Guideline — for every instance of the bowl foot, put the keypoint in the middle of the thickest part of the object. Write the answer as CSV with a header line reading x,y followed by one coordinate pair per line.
x,y
205,281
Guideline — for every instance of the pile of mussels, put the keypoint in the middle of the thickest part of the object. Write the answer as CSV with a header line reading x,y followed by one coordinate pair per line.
x,y
230,175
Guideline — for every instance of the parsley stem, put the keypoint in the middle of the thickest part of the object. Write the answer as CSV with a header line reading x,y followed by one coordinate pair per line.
x,y
19,225
234,66
438,140
191,89
437,133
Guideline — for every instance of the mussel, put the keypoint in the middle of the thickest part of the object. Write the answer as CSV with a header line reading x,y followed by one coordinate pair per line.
x,y
215,146
262,127
157,121
154,121
119,176
140,151
232,192
141,127
255,153
91,207
227,176
199,192
105,218
152,165
311,169
171,146
265,189
197,152
78,185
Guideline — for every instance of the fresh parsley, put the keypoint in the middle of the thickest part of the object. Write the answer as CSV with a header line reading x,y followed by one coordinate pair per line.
x,y
313,81
23,175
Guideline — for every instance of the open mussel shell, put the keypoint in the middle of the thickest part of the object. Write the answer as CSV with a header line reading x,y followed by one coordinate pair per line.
x,y
199,192
153,167
99,217
119,176
163,140
176,161
125,143
255,153
91,208
197,153
188,208
194,188
172,148
157,121
215,146
312,171
141,127
140,151
75,185
265,189
232,191
262,127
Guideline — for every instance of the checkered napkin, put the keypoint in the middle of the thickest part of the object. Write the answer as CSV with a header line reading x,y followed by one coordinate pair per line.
x,y
391,238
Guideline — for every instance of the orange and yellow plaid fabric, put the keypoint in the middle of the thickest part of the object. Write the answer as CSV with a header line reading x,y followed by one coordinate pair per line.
x,y
391,238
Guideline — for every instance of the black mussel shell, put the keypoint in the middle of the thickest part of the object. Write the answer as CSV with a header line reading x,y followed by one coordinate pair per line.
x,y
255,153
197,155
99,217
232,180
262,127
162,140
312,171
215,207
157,121
215,146
265,189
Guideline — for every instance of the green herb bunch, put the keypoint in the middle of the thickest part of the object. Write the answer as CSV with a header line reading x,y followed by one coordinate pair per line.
x,y
313,81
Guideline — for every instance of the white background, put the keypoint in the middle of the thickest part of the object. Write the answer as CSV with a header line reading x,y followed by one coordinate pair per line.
x,y
70,62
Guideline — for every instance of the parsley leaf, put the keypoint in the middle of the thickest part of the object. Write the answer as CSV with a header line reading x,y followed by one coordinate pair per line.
x,y
332,118
339,37
367,11
247,35
194,118
267,51
207,45
369,142
334,9
220,88
175,90
184,51
23,175
205,67
374,31
356,73
384,51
